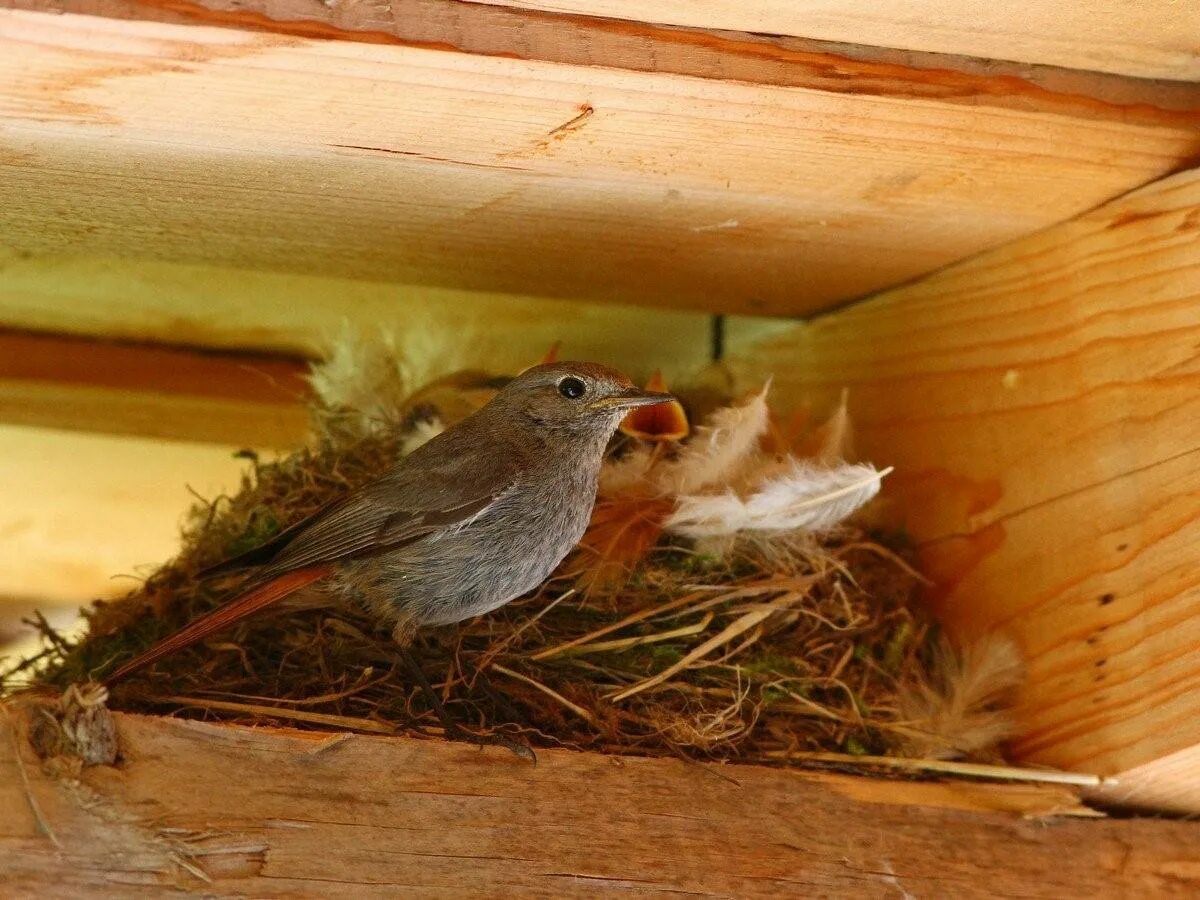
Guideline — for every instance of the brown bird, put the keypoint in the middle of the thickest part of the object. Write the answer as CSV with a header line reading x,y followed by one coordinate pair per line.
x,y
474,518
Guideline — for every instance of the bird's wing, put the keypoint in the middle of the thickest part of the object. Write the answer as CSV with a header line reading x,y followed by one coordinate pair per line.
x,y
405,506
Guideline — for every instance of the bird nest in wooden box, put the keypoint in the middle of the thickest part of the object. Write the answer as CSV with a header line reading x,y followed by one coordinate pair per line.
x,y
729,600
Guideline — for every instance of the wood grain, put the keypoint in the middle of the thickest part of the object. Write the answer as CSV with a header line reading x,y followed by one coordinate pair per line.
x,y
1154,39
84,514
433,166
162,392
1040,404
754,57
434,329
1167,785
266,813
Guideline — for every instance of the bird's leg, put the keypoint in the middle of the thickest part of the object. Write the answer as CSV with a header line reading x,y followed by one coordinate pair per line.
x,y
453,730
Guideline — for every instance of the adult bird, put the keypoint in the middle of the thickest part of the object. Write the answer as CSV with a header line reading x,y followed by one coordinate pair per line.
x,y
476,517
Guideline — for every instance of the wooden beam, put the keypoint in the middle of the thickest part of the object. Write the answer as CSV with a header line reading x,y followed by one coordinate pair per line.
x,y
808,180
160,392
267,812
83,514
435,329
1152,39
516,31
1040,405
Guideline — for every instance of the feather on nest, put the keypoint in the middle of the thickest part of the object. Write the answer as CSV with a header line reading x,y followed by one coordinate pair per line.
x,y
805,497
959,706
722,487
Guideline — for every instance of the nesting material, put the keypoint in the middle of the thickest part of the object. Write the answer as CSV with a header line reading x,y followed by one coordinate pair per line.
x,y
723,604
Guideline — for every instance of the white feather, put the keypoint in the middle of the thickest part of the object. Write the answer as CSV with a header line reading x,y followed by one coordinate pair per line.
x,y
805,497
837,439
629,474
361,373
721,449
422,433
963,704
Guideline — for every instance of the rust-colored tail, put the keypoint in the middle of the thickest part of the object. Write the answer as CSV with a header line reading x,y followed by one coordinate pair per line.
x,y
233,611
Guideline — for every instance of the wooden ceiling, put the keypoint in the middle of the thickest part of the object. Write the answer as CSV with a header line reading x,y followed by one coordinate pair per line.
x,y
514,150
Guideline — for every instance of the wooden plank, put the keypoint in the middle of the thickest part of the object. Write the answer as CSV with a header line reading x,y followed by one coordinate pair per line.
x,y
754,57
267,812
434,329
1040,405
162,392
1153,39
781,192
83,514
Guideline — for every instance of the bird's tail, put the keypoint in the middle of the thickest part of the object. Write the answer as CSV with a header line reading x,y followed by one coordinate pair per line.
x,y
234,611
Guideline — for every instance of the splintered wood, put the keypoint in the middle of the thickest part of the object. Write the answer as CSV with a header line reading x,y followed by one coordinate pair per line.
x,y
218,810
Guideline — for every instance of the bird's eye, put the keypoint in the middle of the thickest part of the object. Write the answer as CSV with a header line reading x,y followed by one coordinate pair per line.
x,y
572,388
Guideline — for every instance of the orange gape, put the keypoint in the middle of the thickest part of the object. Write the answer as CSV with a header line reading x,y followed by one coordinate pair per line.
x,y
234,611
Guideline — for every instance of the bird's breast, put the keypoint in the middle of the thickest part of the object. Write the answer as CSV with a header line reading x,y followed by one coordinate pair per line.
x,y
506,551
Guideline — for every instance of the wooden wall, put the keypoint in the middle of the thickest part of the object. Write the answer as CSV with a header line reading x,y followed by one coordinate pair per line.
x,y
1040,403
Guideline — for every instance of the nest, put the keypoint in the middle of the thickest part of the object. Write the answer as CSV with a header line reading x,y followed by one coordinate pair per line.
x,y
803,644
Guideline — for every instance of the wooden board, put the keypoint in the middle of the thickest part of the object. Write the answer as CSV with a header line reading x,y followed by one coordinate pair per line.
x,y
84,514
1166,785
1150,39
162,392
266,813
436,330
761,179
1040,404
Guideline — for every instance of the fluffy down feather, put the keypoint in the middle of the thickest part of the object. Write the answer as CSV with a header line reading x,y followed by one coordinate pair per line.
x,y
803,497
961,709
721,450
629,475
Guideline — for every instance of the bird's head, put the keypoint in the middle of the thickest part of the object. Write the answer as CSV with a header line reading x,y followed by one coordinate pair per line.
x,y
575,396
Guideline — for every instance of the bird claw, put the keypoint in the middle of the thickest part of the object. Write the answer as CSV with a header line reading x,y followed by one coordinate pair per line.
x,y
451,730
455,732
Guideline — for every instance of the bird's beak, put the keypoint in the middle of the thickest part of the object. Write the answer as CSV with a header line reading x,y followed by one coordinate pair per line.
x,y
630,398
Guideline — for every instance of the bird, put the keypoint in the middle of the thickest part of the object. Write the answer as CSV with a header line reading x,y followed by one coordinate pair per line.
x,y
477,516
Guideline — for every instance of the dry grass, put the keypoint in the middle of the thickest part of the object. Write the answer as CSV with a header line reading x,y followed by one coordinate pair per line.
x,y
791,644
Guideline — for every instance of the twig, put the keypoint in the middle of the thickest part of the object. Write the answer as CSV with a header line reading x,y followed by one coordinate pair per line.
x,y
275,712
499,648
34,806
309,701
745,623
647,613
549,692
949,767
626,643
894,558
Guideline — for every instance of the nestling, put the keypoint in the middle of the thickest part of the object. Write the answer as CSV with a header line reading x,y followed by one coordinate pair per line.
x,y
474,518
